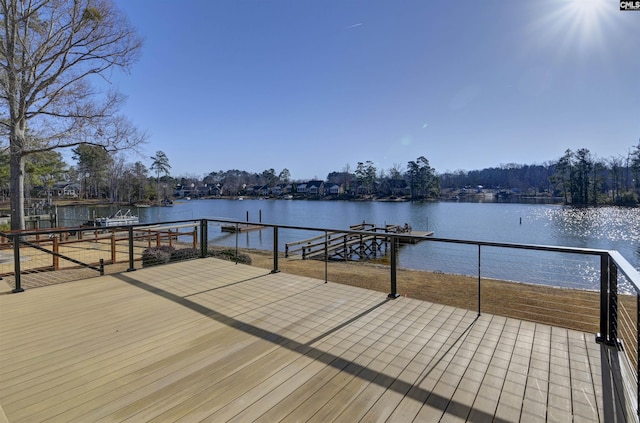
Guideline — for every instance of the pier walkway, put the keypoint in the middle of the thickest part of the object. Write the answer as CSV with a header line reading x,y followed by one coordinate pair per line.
x,y
350,246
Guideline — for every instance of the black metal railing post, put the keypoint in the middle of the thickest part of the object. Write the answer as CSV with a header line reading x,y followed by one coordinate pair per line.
x,y
101,267
237,234
275,250
326,257
16,264
394,251
479,279
131,258
602,336
204,235
613,303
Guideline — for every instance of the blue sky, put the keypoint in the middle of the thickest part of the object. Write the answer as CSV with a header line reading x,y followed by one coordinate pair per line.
x,y
312,86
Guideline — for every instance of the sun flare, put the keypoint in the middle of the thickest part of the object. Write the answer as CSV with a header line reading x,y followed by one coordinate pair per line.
x,y
574,25
587,13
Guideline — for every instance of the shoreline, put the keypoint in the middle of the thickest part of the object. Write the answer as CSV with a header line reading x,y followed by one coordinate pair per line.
x,y
72,202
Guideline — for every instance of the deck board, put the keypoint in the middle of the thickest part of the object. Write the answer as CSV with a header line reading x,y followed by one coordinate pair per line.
x,y
209,340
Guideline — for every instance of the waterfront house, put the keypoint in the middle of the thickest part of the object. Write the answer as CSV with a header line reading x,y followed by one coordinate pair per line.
x,y
333,189
315,188
64,190
396,187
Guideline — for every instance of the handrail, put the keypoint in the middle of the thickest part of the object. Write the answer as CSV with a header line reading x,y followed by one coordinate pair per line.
x,y
308,240
627,269
99,269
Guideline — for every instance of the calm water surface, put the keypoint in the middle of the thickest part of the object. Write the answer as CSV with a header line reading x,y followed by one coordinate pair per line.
x,y
603,227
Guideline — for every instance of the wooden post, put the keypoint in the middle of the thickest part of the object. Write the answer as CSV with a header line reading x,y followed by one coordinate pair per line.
x,y
56,249
345,248
113,247
195,236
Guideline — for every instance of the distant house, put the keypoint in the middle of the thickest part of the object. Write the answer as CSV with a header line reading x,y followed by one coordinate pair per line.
x,y
302,188
361,190
396,187
333,189
260,190
65,190
216,189
191,190
315,188
281,189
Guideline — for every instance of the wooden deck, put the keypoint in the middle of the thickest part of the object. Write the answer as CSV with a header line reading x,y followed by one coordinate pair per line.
x,y
208,340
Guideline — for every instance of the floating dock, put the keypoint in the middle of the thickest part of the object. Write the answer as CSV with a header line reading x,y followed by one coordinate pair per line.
x,y
242,227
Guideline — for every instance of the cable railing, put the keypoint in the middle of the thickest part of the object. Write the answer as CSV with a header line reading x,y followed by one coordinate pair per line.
x,y
589,290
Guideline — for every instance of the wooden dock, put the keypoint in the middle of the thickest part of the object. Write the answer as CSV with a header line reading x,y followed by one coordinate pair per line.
x,y
415,237
243,227
350,246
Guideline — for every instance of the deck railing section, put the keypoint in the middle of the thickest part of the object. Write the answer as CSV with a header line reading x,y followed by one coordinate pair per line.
x,y
612,311
69,251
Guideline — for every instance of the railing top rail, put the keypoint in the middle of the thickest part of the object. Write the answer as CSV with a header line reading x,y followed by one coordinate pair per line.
x,y
404,235
309,240
167,226
626,268
29,232
550,248
539,247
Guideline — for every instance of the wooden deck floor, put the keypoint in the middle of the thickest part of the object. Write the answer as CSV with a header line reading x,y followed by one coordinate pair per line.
x,y
208,340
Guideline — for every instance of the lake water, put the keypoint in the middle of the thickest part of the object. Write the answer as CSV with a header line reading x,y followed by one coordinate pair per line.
x,y
611,228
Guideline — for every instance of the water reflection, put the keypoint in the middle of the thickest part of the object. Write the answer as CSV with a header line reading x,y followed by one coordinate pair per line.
x,y
613,228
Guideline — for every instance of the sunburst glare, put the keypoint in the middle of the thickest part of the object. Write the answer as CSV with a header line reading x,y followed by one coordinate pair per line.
x,y
575,25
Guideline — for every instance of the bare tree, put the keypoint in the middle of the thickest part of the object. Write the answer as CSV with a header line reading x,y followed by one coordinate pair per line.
x,y
347,177
284,176
395,171
50,52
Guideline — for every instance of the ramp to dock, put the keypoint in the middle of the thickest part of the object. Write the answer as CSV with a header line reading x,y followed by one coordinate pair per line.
x,y
353,246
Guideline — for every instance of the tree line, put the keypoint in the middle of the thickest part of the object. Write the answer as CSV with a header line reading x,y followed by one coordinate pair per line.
x,y
100,174
577,178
